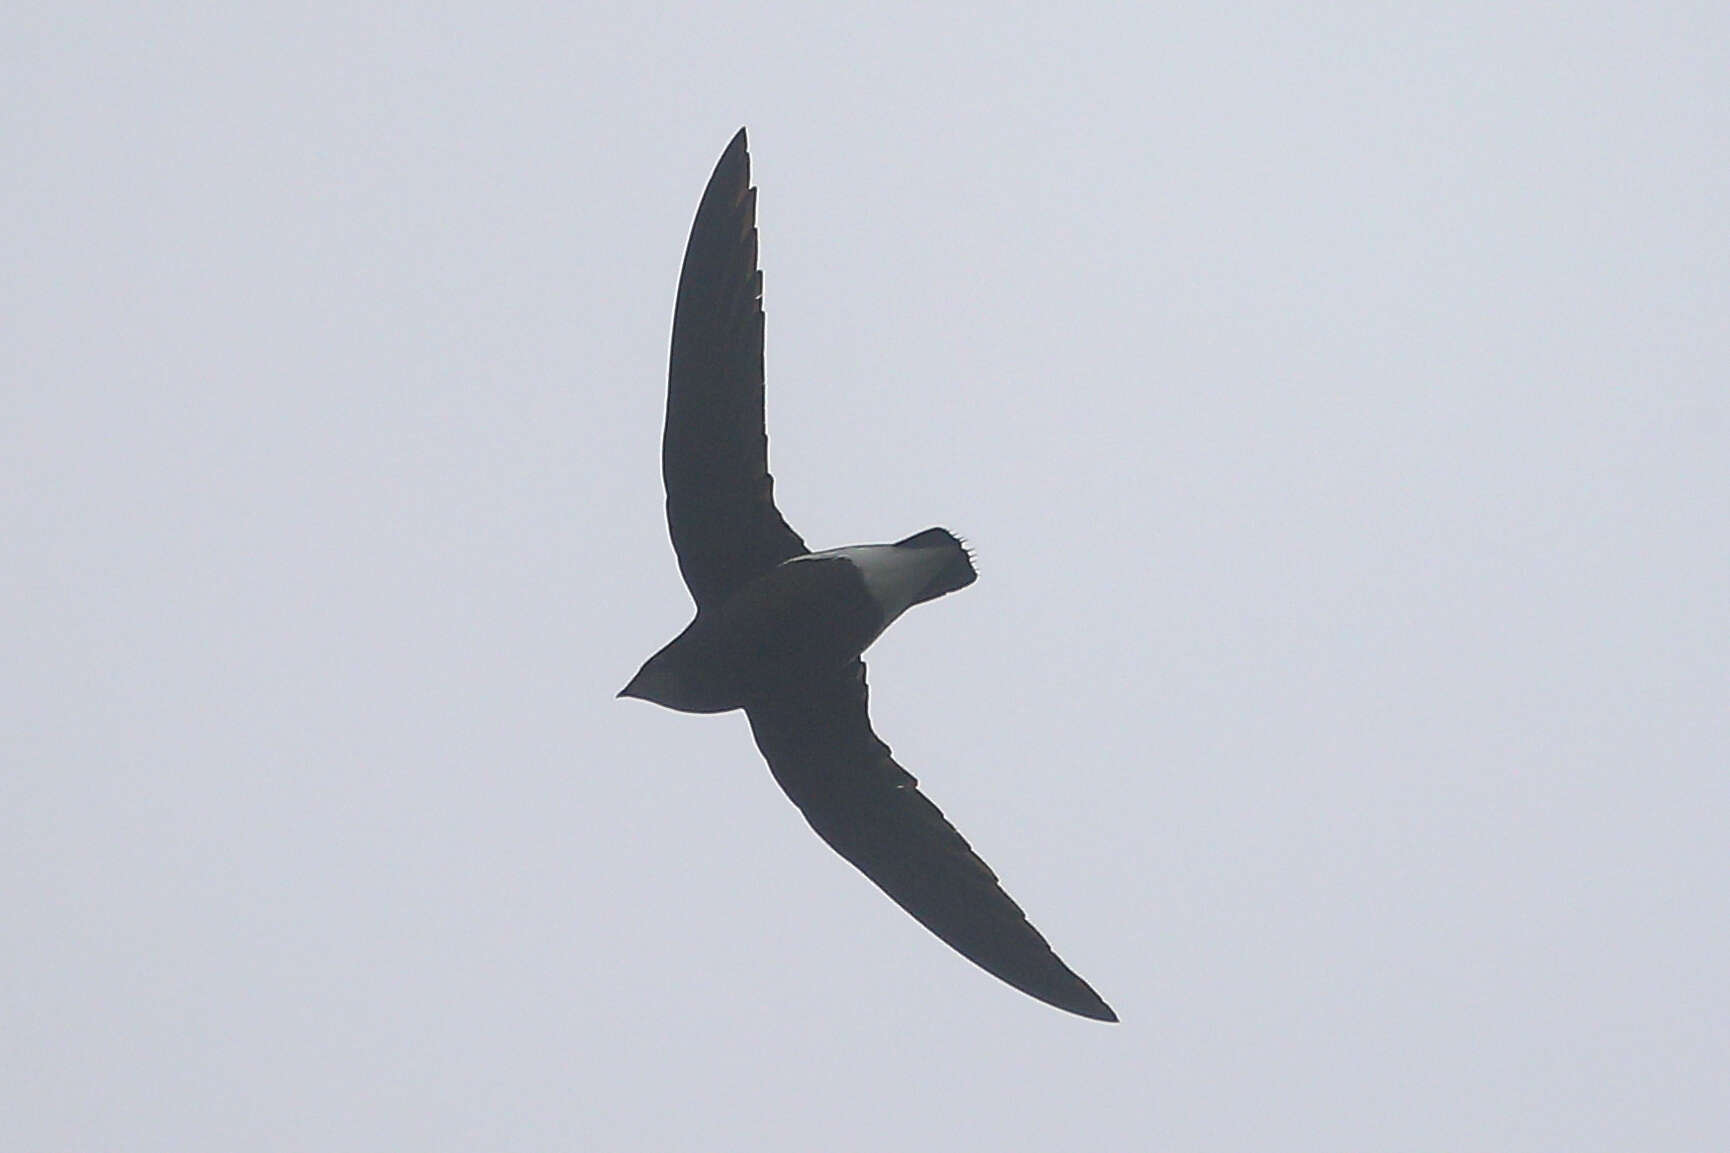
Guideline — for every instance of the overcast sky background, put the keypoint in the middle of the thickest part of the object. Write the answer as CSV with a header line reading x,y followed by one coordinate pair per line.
x,y
1337,403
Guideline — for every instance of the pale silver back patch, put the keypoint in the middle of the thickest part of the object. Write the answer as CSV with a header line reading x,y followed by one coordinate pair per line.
x,y
894,575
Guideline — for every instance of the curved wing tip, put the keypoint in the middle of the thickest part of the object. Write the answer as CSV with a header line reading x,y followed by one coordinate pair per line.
x,y
1083,1003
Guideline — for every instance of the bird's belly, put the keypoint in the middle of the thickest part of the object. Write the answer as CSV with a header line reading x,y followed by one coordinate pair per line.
x,y
796,622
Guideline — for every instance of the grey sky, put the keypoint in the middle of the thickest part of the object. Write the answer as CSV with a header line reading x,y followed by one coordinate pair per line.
x,y
1336,403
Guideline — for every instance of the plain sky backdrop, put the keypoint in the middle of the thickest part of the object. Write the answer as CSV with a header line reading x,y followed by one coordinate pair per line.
x,y
1337,396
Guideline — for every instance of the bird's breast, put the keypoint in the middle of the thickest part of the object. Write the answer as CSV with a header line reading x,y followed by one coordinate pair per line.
x,y
797,620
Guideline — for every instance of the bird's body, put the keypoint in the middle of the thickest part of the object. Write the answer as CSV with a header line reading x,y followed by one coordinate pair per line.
x,y
779,629
809,616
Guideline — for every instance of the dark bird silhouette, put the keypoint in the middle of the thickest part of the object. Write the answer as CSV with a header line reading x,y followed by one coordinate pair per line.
x,y
779,629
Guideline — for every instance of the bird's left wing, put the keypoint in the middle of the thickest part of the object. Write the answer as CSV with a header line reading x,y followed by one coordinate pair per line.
x,y
820,747
714,453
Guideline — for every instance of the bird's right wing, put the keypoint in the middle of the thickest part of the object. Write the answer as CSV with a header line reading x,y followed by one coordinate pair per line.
x,y
715,454
820,747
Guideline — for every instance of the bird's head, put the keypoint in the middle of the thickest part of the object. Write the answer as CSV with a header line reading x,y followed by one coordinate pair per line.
x,y
673,679
655,681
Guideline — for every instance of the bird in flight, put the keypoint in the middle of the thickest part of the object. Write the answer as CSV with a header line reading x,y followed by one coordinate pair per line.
x,y
779,629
